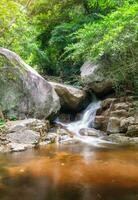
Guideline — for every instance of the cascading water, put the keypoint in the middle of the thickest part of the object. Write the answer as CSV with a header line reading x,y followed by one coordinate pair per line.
x,y
86,121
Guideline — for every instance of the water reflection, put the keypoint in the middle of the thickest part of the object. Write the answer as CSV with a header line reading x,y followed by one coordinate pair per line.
x,y
70,172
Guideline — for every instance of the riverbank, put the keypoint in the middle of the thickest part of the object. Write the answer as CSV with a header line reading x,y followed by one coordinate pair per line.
x,y
113,120
35,103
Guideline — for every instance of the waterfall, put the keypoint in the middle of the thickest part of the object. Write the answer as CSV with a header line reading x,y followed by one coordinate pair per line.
x,y
86,121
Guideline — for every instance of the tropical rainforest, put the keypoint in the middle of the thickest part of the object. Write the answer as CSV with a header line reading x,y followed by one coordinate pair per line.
x,y
69,100
56,37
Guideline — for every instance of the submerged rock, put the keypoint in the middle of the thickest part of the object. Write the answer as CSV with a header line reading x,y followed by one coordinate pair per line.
x,y
23,92
89,132
93,77
71,98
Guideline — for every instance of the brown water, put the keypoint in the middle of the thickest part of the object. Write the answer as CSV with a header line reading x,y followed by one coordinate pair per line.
x,y
70,172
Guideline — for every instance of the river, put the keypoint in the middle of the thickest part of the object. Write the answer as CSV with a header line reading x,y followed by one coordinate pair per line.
x,y
70,172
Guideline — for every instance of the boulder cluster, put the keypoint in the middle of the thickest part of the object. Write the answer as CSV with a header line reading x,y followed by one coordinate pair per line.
x,y
25,96
118,117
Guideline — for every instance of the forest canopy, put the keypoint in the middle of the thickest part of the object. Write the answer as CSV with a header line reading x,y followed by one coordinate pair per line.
x,y
57,37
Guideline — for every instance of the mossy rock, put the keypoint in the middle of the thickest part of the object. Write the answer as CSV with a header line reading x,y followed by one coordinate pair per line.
x,y
23,92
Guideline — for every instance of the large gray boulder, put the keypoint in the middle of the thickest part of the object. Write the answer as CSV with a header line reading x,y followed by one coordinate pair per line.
x,y
71,98
94,79
23,92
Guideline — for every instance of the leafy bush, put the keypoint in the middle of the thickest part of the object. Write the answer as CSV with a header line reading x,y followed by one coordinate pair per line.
x,y
113,41
46,33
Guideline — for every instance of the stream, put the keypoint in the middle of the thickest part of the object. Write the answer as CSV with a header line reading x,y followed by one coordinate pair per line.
x,y
85,122
70,172
91,169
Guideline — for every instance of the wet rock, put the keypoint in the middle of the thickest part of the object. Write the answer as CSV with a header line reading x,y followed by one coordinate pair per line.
x,y
121,139
113,125
65,117
71,98
101,123
16,147
62,132
51,138
89,132
70,141
23,92
5,148
93,77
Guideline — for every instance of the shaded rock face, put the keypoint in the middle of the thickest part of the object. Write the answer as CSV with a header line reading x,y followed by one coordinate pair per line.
x,y
118,115
93,77
23,92
71,98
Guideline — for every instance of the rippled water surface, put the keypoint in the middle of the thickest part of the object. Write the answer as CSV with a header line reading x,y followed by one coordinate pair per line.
x,y
70,172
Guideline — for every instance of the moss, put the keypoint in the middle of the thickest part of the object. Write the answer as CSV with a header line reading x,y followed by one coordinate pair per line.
x,y
2,123
132,133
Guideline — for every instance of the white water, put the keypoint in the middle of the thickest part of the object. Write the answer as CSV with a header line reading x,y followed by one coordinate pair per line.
x,y
86,121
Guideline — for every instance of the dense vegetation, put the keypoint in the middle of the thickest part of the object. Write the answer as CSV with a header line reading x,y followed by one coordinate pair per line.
x,y
57,36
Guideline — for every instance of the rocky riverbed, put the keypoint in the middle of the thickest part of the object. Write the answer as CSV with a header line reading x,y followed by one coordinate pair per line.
x,y
118,117
25,96
29,133
116,121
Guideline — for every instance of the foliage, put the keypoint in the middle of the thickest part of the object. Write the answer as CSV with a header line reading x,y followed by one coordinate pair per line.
x,y
16,30
113,42
56,36
2,123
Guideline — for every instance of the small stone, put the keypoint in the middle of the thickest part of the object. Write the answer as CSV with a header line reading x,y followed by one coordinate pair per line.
x,y
89,132
51,137
15,147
